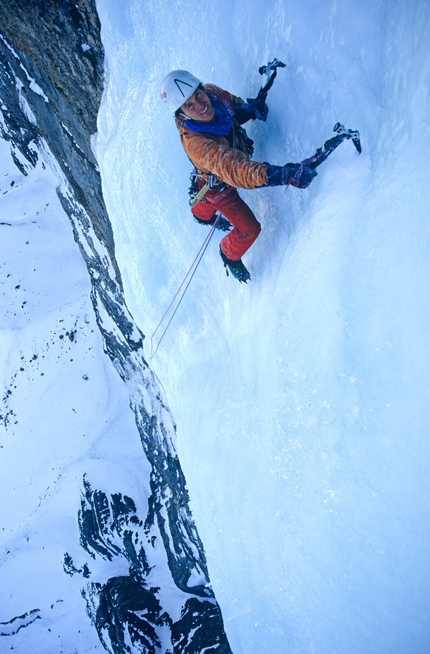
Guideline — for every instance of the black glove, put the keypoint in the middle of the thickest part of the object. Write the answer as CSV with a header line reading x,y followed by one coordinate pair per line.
x,y
296,175
251,110
260,108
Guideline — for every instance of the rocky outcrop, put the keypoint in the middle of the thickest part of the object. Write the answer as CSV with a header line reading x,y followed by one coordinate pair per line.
x,y
51,82
59,63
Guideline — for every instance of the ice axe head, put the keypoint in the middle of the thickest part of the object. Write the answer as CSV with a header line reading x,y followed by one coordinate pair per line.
x,y
270,70
271,66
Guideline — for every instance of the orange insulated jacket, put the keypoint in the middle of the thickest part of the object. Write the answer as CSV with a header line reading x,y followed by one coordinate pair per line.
x,y
223,156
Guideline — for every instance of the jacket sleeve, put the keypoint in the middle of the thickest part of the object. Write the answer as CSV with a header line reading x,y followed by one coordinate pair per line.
x,y
230,165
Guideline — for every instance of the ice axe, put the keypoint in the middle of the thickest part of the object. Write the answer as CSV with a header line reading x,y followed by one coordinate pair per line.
x,y
271,70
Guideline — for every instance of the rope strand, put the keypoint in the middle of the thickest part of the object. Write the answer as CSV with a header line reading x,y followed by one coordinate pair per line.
x,y
194,265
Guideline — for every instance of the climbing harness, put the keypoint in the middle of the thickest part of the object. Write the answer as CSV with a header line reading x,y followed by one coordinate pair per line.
x,y
195,194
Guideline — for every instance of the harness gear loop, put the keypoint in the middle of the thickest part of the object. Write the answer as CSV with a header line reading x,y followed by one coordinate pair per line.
x,y
210,184
200,195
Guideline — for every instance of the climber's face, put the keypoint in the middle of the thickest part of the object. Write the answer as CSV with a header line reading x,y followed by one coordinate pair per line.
x,y
198,107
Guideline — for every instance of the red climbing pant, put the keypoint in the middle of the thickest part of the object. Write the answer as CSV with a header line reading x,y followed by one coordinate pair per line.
x,y
246,227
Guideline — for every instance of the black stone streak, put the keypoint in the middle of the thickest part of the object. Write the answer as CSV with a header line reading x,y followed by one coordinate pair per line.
x,y
11,627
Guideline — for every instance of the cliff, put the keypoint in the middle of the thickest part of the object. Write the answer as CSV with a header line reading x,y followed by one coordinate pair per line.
x,y
51,84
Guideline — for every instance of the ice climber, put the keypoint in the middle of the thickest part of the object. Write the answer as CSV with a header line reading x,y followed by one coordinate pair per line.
x,y
210,121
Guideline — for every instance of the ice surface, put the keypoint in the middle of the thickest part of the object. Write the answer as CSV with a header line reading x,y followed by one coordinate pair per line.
x,y
302,399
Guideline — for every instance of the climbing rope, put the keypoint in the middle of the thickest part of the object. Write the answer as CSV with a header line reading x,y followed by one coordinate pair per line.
x,y
192,268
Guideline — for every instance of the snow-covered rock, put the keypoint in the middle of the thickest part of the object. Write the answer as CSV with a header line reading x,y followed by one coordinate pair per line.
x,y
99,548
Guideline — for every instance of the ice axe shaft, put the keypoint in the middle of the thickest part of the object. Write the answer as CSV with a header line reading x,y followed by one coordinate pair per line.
x,y
270,70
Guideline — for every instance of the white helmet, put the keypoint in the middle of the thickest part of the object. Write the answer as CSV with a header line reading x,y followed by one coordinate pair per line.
x,y
177,87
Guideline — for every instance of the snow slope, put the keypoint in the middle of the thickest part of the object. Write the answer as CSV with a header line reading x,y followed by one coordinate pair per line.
x,y
65,413
301,399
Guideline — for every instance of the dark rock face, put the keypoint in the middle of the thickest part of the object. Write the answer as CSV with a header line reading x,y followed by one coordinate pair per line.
x,y
49,35
51,81
58,43
130,608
